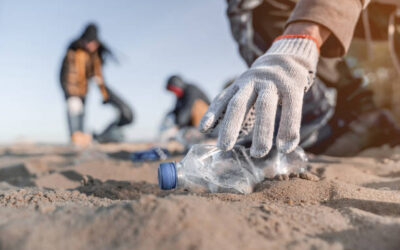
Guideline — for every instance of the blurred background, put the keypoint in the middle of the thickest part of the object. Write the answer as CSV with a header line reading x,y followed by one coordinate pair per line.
x,y
378,68
151,39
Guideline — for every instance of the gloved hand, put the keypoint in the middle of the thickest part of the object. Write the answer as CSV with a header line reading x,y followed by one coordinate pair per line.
x,y
281,75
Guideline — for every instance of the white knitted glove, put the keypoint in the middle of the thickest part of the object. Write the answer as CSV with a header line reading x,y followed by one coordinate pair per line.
x,y
281,75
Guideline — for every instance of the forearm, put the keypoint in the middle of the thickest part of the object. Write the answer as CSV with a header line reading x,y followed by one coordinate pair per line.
x,y
183,116
339,17
103,90
319,32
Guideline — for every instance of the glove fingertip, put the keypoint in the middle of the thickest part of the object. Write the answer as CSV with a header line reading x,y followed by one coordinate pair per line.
x,y
287,147
259,152
225,144
207,122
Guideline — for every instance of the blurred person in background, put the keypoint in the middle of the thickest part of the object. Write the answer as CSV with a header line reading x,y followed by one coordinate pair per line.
x,y
182,122
83,61
179,129
297,89
191,102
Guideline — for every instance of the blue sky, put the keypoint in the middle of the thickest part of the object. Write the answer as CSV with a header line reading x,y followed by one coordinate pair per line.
x,y
152,40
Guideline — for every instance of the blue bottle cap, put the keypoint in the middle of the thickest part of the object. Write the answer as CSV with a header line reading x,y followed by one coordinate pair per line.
x,y
167,175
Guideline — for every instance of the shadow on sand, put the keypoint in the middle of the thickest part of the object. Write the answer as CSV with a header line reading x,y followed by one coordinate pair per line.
x,y
367,234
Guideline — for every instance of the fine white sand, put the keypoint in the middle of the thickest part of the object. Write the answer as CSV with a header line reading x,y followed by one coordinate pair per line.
x,y
58,197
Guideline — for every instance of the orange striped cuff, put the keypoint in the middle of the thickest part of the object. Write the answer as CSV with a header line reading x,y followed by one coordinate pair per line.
x,y
299,36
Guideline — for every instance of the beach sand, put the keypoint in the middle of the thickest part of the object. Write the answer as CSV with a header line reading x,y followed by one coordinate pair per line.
x,y
59,197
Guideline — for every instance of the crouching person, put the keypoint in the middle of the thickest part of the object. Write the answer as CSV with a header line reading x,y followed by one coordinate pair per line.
x,y
182,122
83,61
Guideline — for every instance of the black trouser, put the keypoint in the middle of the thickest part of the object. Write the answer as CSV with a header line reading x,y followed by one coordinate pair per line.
x,y
111,133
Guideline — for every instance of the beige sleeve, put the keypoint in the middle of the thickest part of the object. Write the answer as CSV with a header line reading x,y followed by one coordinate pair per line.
x,y
339,16
365,3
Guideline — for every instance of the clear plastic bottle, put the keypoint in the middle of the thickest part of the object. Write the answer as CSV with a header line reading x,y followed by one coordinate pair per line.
x,y
206,168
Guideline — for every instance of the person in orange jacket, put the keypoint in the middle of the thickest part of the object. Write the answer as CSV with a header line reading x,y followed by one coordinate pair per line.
x,y
84,60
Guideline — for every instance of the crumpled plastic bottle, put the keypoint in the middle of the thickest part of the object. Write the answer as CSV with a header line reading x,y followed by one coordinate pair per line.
x,y
206,168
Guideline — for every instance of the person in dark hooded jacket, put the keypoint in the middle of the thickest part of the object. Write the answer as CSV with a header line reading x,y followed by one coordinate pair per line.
x,y
83,61
191,102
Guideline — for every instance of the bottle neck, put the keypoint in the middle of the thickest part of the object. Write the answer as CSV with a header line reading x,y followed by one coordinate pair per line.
x,y
180,176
